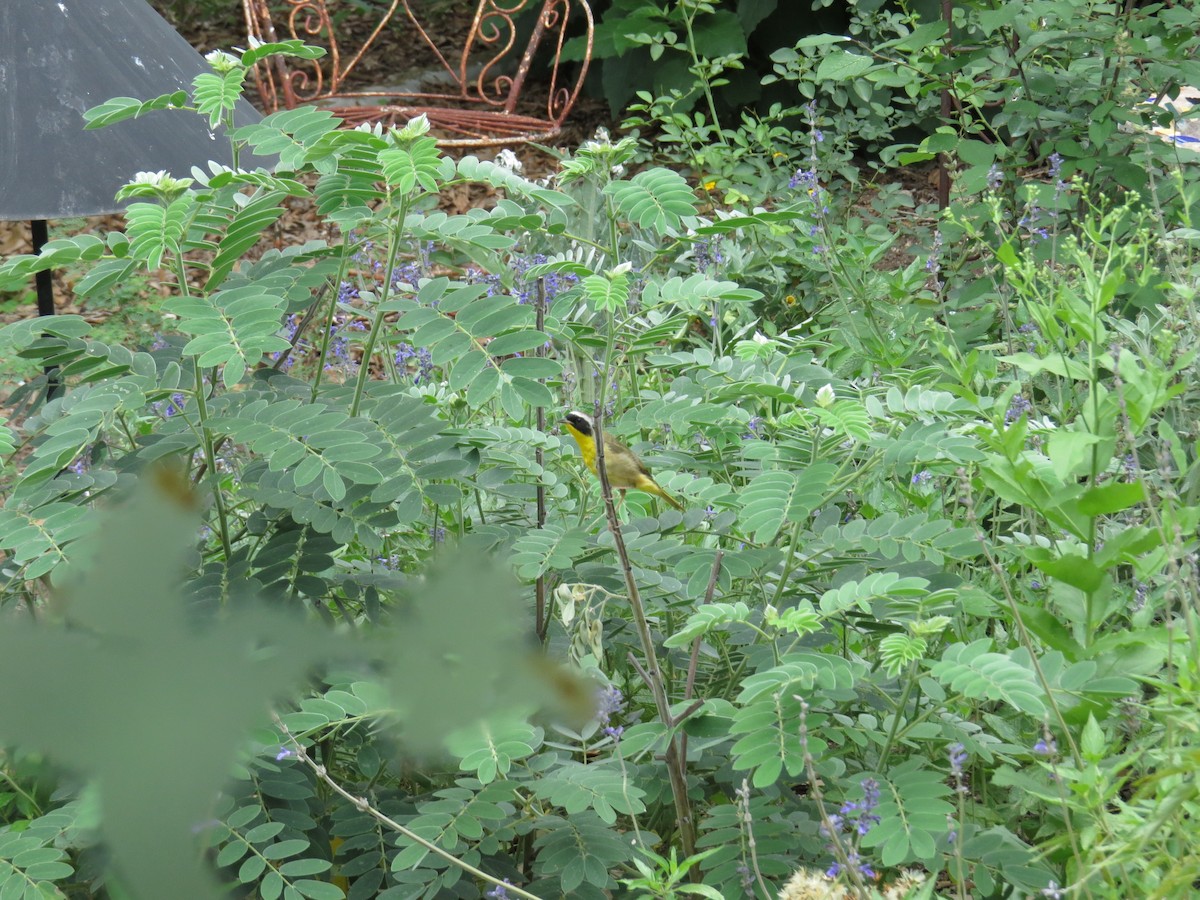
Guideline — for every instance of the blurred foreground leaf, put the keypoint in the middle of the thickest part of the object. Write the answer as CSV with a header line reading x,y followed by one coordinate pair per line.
x,y
151,706
153,703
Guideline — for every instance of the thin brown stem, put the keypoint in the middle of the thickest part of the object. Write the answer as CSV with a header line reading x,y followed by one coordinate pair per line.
x,y
541,623
364,805
651,672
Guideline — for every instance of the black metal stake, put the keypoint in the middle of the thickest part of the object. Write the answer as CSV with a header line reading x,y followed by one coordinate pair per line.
x,y
45,300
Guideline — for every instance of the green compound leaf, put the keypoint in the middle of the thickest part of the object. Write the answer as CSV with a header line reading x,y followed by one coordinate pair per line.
x,y
288,134
577,787
773,498
898,650
580,849
232,328
769,707
30,865
215,95
656,199
474,169
416,164
553,547
607,292
704,620
156,231
490,748
243,232
912,814
979,674
294,47
119,109
862,594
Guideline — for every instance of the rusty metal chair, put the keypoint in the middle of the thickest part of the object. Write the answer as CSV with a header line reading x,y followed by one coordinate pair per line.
x,y
486,78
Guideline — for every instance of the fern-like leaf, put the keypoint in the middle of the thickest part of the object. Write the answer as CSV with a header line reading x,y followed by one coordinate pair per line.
x,y
413,165
656,199
118,109
156,230
974,671
215,95
232,328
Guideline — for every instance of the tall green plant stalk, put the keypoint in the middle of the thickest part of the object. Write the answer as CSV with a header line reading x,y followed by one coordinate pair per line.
x,y
327,334
697,68
364,370
207,442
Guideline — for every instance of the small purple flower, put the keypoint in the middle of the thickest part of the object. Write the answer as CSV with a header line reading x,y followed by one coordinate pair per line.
x,y
172,407
958,756
859,815
1129,462
499,892
1056,162
995,177
1140,592
422,356
362,254
609,702
805,178
856,862
339,350
284,753
409,273
706,253
1053,891
412,272
746,877
933,265
1018,407
922,477
857,818
1045,747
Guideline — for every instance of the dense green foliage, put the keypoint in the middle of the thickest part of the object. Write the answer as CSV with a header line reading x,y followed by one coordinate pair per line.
x,y
928,623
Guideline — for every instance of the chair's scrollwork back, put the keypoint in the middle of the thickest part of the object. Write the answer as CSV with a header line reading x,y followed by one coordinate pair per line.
x,y
489,72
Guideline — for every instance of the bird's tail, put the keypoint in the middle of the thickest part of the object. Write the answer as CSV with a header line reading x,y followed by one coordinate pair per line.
x,y
659,492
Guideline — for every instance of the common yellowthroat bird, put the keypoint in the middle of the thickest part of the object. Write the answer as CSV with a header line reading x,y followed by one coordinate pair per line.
x,y
624,468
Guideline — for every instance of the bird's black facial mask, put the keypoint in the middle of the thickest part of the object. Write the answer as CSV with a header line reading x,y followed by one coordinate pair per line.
x,y
579,422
